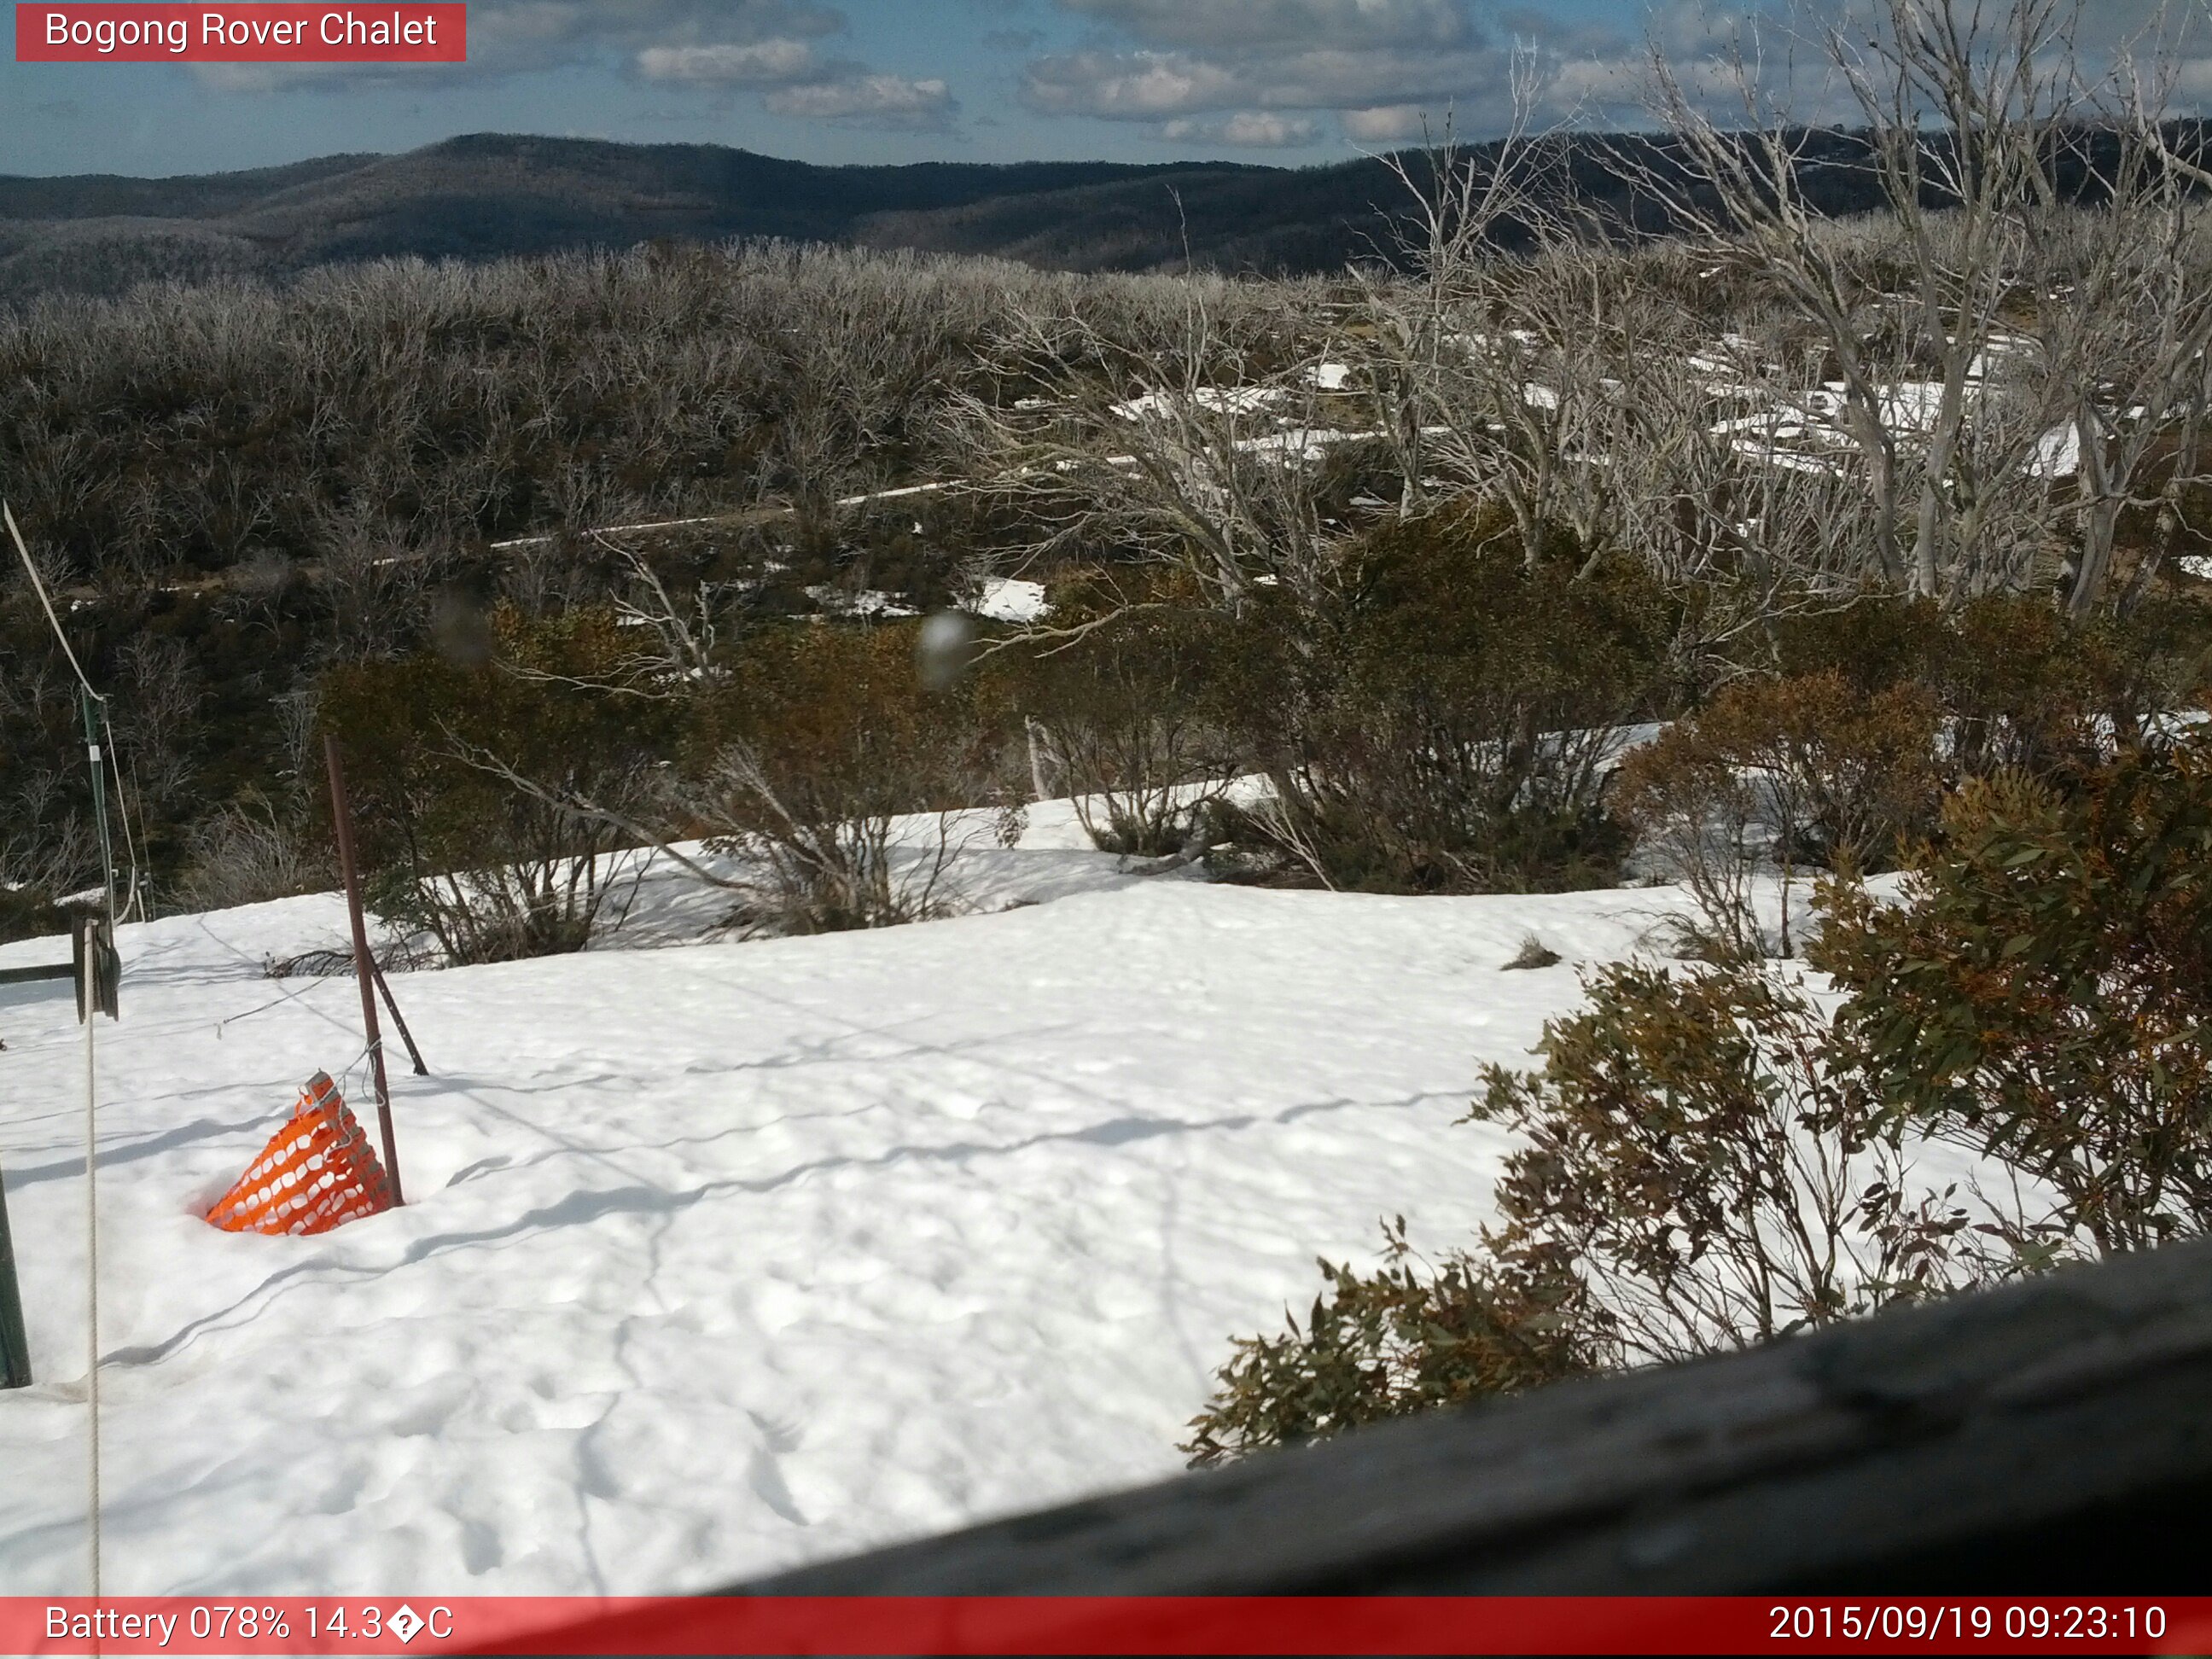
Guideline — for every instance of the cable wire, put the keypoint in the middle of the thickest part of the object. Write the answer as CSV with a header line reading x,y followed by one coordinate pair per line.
x,y
39,586
106,747
135,900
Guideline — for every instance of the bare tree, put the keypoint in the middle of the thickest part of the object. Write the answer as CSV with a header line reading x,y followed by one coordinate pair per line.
x,y
1528,361
1965,115
1196,453
1989,335
2125,300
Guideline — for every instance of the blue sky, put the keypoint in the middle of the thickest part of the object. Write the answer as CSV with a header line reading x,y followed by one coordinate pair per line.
x,y
1291,82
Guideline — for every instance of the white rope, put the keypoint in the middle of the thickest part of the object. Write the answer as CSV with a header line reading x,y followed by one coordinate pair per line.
x,y
92,1249
347,1086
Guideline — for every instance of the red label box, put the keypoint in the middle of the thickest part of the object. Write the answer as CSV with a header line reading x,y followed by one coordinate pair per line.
x,y
236,33
985,1627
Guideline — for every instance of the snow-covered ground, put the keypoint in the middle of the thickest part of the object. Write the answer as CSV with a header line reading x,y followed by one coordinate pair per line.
x,y
722,1256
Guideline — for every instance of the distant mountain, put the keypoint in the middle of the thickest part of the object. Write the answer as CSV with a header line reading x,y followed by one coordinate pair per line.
x,y
493,194
489,195
1269,220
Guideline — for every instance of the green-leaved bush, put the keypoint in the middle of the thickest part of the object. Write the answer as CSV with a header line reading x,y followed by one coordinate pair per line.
x,y
1711,1158
1409,1337
1715,1165
1698,1167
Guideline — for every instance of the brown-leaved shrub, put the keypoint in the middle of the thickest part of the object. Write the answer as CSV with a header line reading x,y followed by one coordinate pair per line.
x,y
1699,1165
1809,772
2043,991
1119,699
465,779
821,738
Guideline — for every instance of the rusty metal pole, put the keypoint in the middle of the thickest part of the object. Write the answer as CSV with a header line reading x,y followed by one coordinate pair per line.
x,y
364,966
392,1007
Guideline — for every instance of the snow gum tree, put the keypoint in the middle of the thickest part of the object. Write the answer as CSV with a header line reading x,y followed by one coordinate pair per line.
x,y
1997,325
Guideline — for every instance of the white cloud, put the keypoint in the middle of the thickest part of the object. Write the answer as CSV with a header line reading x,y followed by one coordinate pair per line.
x,y
1125,85
1145,85
1380,65
521,37
1249,129
1183,59
1277,25
2193,77
797,81
881,100
538,34
1389,124
762,62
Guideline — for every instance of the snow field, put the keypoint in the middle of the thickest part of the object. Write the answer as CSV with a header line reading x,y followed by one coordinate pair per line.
x,y
723,1257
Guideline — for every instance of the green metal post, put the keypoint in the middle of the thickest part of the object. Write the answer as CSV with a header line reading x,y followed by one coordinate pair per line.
x,y
15,1345
99,798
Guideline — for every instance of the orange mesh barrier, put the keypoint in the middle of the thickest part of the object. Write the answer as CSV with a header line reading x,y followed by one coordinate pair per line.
x,y
318,1172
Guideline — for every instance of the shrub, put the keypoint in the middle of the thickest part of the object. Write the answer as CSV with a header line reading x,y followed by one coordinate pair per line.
x,y
1806,771
1124,710
1875,641
1715,1169
1533,953
1700,1166
26,913
248,852
47,850
1402,1339
1706,1161
2019,688
2019,684
2043,991
1437,717
2146,664
488,797
820,740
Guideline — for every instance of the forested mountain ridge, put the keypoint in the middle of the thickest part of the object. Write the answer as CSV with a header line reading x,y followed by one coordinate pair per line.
x,y
489,196
492,195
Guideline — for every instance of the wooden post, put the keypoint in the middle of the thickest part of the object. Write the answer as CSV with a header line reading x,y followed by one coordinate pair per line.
x,y
15,1345
364,966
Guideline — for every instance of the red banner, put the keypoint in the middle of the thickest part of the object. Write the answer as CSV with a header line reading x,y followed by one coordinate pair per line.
x,y
236,33
871,1626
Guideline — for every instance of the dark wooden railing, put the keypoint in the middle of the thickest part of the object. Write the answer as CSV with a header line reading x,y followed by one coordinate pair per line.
x,y
2053,1437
